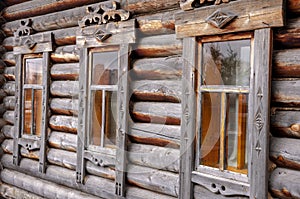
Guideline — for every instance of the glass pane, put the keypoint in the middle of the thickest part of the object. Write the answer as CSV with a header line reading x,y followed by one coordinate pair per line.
x,y
105,68
226,63
235,118
32,112
103,118
33,71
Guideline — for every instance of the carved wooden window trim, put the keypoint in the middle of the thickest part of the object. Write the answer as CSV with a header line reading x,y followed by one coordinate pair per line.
x,y
194,25
27,46
104,29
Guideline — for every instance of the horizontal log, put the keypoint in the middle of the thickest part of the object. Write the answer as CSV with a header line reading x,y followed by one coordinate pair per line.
x,y
64,88
293,6
8,131
9,88
162,113
159,46
9,73
40,7
9,102
155,157
100,186
2,95
10,191
285,123
157,90
64,123
12,2
65,54
284,153
286,63
61,140
283,183
201,192
3,122
157,68
41,187
69,71
2,109
286,93
64,106
2,65
7,146
9,116
155,134
9,58
288,37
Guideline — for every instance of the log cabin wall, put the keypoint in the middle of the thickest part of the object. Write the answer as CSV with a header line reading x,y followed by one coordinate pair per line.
x,y
154,107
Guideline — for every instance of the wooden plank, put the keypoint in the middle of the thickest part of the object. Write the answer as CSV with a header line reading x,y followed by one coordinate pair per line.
x,y
286,63
282,183
284,153
65,71
201,192
64,88
63,123
188,115
10,191
157,68
285,123
161,113
261,99
286,93
64,106
157,90
259,14
40,7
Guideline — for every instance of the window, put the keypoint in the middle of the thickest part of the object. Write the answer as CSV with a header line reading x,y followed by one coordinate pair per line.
x,y
32,92
226,95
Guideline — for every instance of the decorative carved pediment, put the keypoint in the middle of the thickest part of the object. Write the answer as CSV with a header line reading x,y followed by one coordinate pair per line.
x,y
102,14
220,18
190,4
24,29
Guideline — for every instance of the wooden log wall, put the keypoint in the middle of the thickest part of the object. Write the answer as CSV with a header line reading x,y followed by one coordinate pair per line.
x,y
155,104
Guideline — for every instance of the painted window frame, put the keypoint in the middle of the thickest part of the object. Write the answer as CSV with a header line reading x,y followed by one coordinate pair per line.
x,y
192,25
26,46
105,33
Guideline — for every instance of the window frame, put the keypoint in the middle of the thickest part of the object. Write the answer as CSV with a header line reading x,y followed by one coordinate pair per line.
x,y
26,45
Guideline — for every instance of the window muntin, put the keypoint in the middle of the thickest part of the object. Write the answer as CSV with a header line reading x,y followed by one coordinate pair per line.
x,y
103,88
223,90
32,96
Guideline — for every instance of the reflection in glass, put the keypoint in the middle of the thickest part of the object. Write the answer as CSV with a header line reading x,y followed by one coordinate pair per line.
x,y
224,113
33,71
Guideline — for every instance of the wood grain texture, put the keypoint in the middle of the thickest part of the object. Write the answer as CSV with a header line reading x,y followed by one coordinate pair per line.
x,y
284,153
64,106
285,123
286,63
63,123
64,88
65,71
282,183
10,191
286,93
201,192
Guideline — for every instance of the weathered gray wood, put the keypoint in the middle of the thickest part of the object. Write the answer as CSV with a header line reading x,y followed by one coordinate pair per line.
x,y
157,90
68,71
286,92
283,183
9,102
2,65
288,37
9,88
3,122
259,131
9,73
8,131
188,115
65,106
61,140
9,116
2,94
284,153
63,123
155,157
65,54
158,46
9,58
259,14
40,7
162,113
286,63
2,109
41,187
285,123
10,191
64,88
12,2
201,192
157,68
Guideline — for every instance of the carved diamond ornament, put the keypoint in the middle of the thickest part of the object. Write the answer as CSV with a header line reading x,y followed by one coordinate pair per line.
x,y
220,18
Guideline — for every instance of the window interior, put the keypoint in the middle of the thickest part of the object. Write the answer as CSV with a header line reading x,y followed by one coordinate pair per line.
x,y
224,89
32,96
103,97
